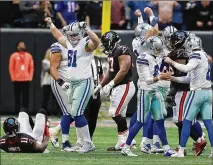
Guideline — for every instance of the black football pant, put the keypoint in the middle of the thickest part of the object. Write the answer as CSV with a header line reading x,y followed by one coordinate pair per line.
x,y
21,91
91,113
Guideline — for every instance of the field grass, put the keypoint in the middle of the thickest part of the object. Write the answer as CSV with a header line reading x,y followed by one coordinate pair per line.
x,y
103,138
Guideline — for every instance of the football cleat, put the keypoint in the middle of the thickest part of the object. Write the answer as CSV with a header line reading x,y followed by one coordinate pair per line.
x,y
54,137
211,156
156,148
177,155
86,147
67,146
127,152
46,151
169,153
54,142
199,147
177,149
76,147
146,149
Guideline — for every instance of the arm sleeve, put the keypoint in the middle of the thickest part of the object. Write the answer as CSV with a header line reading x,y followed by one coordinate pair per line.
x,y
144,69
31,68
184,79
193,62
12,67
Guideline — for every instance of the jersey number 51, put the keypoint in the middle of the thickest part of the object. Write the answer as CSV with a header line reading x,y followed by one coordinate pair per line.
x,y
72,58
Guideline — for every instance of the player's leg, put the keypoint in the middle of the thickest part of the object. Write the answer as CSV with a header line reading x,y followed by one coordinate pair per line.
x,y
159,120
148,133
144,130
40,126
66,119
120,97
206,114
24,120
82,92
143,106
191,108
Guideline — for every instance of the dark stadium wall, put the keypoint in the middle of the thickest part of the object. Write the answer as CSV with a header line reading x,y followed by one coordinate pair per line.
x,y
37,43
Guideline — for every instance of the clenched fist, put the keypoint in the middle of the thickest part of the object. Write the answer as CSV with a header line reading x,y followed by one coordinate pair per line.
x,y
138,13
83,25
48,20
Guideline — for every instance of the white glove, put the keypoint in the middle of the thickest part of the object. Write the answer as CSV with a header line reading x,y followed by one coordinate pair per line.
x,y
107,88
65,86
96,91
83,25
168,60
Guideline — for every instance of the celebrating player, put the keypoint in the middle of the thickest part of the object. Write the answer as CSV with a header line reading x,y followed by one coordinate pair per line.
x,y
199,98
179,91
21,137
148,98
59,69
117,83
79,73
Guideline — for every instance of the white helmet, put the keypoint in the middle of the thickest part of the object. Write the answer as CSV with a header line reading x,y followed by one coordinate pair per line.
x,y
141,29
73,32
167,32
154,45
192,42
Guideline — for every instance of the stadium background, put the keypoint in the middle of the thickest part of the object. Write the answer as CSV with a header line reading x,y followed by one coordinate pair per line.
x,y
39,39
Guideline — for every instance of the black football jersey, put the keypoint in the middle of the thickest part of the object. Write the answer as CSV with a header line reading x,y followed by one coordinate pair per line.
x,y
175,55
22,143
114,64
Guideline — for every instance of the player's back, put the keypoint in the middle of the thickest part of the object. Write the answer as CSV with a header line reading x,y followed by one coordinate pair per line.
x,y
79,61
146,68
22,143
114,67
200,76
63,68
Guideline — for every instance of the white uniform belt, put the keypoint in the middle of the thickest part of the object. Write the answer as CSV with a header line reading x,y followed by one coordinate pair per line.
x,y
192,89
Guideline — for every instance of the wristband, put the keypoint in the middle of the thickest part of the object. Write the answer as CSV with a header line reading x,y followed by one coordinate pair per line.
x,y
60,81
112,83
52,26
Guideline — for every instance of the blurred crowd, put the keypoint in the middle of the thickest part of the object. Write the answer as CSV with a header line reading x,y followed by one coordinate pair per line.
x,y
186,15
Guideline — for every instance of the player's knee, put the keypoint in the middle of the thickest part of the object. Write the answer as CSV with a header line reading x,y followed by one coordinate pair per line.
x,y
112,112
40,119
42,111
23,115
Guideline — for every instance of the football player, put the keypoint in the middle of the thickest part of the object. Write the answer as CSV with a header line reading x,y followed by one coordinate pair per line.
x,y
179,91
148,97
21,137
59,69
117,83
199,98
80,55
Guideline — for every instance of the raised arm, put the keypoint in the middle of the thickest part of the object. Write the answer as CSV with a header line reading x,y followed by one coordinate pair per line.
x,y
56,33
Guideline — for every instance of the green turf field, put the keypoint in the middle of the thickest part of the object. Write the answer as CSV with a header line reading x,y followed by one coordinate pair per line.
x,y
103,138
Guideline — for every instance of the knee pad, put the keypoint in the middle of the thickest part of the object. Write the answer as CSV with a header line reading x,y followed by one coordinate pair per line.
x,y
112,112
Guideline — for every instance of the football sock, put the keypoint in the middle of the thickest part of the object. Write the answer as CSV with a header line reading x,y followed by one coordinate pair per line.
x,y
65,124
82,125
156,138
121,123
79,136
196,129
149,130
133,132
209,127
161,131
179,125
65,137
145,126
185,132
133,120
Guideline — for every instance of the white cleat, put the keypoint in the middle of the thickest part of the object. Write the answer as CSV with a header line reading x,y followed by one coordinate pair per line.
x,y
46,151
86,147
178,155
146,149
211,156
54,137
127,152
76,147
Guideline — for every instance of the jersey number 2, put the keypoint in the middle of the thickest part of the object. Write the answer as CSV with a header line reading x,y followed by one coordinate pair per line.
x,y
72,58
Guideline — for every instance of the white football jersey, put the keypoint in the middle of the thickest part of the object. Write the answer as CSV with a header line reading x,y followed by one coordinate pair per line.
x,y
200,76
79,61
147,68
138,45
63,69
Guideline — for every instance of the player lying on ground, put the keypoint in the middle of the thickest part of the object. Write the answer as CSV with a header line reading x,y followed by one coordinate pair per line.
x,y
21,137
80,55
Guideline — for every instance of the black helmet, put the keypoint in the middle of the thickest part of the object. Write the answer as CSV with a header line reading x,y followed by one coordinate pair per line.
x,y
11,126
178,39
109,41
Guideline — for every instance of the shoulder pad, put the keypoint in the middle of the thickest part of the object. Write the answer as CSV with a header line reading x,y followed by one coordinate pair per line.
x,y
55,48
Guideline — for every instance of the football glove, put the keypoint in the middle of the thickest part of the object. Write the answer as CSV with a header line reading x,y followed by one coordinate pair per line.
x,y
64,85
96,91
107,88
83,25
